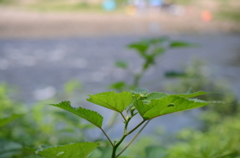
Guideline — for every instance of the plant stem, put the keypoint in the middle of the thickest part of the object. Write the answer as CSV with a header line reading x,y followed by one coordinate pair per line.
x,y
115,146
136,127
123,117
107,137
132,139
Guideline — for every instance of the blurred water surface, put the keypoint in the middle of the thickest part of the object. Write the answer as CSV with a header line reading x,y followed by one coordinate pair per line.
x,y
40,67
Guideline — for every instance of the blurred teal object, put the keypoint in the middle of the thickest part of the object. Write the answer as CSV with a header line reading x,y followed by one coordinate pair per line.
x,y
109,5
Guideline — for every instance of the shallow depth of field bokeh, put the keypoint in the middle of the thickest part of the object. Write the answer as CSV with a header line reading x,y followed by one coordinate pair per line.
x,y
56,50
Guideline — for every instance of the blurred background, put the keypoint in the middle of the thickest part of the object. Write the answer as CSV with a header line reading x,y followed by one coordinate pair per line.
x,y
56,50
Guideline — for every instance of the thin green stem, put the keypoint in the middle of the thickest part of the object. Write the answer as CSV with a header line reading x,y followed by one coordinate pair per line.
x,y
136,127
117,145
138,76
107,137
123,117
132,140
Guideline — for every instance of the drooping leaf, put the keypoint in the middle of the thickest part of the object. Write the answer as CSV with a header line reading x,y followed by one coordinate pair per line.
x,y
91,116
77,150
5,121
165,105
111,100
141,47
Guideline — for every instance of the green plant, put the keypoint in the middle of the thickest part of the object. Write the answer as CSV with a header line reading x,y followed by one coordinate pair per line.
x,y
127,105
34,128
149,50
222,140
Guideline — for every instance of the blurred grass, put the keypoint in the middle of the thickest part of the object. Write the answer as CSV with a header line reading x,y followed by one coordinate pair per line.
x,y
229,14
59,7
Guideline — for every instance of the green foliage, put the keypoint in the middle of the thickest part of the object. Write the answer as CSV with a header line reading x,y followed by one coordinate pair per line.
x,y
220,141
165,105
121,64
111,100
71,86
149,50
4,121
198,77
77,150
149,106
37,126
92,116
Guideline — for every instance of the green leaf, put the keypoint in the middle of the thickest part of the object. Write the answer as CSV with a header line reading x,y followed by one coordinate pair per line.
x,y
118,85
166,105
92,116
77,150
155,95
111,100
158,51
139,91
5,121
141,47
191,95
158,40
176,44
121,64
175,74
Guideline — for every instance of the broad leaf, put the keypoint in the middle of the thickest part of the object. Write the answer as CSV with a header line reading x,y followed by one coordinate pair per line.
x,y
77,150
5,121
92,116
111,100
166,105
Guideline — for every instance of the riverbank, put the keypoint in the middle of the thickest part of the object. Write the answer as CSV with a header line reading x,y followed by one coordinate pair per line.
x,y
15,23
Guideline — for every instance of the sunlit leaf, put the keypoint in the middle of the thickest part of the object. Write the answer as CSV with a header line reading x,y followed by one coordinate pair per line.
x,y
92,116
77,150
155,95
166,105
111,100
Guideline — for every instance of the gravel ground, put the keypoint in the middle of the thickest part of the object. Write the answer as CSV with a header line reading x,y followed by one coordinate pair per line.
x,y
21,24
